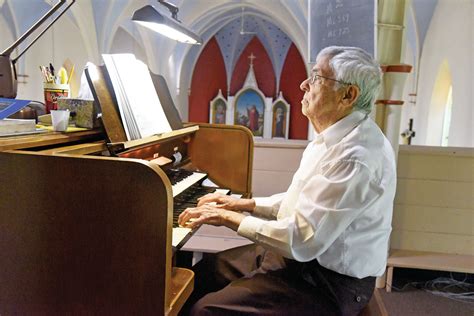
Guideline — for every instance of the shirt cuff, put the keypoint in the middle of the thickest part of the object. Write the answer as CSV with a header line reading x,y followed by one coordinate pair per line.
x,y
248,227
264,207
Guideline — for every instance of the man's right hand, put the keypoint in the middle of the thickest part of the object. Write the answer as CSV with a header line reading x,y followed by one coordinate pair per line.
x,y
228,202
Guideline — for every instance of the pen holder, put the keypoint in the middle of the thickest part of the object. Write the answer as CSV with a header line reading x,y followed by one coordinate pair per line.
x,y
52,92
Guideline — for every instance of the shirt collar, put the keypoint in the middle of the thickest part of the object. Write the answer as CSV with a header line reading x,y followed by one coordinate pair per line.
x,y
334,133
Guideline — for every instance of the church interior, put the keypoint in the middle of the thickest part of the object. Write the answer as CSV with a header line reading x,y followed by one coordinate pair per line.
x,y
247,71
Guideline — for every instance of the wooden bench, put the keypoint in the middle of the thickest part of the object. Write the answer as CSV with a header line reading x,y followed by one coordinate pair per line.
x,y
428,261
433,211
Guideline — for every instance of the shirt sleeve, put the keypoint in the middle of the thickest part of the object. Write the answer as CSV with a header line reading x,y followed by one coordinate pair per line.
x,y
267,207
326,206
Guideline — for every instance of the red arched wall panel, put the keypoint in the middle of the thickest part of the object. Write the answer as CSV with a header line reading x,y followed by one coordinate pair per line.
x,y
293,73
262,66
208,77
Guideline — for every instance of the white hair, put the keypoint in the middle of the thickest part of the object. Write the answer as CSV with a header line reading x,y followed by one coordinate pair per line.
x,y
355,66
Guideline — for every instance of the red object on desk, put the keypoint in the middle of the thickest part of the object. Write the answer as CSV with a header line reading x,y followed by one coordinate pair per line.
x,y
51,94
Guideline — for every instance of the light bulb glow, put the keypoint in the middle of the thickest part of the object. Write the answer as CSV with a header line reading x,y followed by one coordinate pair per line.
x,y
168,32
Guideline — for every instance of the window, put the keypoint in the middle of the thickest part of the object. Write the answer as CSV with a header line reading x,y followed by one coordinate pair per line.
x,y
447,117
439,117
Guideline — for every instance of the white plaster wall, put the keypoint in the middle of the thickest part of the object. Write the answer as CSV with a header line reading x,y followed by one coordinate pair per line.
x,y
6,36
63,40
125,43
55,46
449,37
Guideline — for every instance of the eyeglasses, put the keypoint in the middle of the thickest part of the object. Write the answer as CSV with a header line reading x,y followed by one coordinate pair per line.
x,y
317,78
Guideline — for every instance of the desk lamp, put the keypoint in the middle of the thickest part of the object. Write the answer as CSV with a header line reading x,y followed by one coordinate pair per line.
x,y
8,77
149,17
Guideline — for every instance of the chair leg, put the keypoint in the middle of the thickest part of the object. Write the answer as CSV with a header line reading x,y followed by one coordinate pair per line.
x,y
388,287
380,281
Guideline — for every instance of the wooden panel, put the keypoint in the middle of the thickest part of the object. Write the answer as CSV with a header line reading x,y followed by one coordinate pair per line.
x,y
266,183
436,242
435,167
83,235
431,261
81,149
433,219
437,151
225,152
435,193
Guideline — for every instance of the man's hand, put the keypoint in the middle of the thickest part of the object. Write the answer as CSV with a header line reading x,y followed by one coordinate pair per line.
x,y
210,214
227,202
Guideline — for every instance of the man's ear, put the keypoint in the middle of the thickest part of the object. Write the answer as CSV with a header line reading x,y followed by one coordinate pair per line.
x,y
351,94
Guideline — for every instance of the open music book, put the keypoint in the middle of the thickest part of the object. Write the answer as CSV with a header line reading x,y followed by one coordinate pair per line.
x,y
140,109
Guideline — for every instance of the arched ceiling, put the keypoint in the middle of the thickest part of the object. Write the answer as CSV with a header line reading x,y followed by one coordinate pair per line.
x,y
234,37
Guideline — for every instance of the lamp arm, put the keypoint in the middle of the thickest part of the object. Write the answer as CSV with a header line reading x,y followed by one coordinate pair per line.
x,y
173,9
10,49
47,27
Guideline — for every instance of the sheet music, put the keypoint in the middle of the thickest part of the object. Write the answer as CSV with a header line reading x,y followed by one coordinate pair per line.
x,y
140,108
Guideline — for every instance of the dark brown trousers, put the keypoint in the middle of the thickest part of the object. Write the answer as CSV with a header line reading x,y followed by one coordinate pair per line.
x,y
250,280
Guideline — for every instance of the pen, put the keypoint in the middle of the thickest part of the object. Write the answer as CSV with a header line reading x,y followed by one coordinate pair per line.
x,y
51,68
45,75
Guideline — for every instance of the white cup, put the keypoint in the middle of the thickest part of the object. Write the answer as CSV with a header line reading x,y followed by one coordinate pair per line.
x,y
60,119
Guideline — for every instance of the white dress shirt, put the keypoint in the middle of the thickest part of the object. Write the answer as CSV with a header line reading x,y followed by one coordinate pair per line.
x,y
338,208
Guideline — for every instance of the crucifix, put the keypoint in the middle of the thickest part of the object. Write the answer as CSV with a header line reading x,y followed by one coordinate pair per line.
x,y
251,57
409,133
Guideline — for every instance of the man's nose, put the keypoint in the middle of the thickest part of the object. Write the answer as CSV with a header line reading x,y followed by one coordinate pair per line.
x,y
305,85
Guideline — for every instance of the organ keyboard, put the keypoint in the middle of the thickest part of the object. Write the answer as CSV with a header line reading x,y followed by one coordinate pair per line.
x,y
187,188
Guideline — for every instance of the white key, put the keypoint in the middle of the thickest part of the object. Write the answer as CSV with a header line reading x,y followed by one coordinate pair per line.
x,y
187,182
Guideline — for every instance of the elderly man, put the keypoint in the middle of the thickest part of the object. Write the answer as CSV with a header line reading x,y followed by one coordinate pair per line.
x,y
319,246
